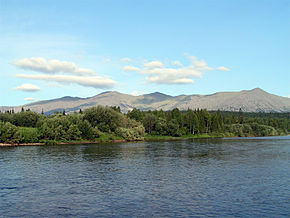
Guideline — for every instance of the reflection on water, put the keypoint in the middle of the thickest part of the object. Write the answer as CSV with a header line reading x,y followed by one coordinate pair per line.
x,y
205,177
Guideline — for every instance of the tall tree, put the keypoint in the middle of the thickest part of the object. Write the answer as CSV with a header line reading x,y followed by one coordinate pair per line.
x,y
241,118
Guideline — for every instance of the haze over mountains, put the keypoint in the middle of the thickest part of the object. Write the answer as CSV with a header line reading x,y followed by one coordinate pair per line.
x,y
255,100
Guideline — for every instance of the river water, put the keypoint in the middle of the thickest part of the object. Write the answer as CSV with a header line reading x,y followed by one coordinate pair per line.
x,y
239,177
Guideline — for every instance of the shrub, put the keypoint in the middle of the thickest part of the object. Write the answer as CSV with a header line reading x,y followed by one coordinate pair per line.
x,y
27,135
136,133
7,132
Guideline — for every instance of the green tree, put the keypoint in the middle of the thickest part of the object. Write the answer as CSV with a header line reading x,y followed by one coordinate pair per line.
x,y
135,114
241,118
149,122
160,127
106,119
73,133
7,132
173,128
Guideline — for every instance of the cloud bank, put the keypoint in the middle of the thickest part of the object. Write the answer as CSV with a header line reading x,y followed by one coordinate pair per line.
x,y
95,82
51,66
52,71
154,64
157,72
27,88
130,69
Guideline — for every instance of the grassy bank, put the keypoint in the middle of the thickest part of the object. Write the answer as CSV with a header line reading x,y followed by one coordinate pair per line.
x,y
158,137
109,138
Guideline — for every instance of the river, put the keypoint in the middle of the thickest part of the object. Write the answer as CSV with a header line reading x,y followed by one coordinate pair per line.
x,y
231,177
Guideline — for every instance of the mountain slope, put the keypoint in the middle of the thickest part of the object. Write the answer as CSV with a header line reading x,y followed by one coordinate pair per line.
x,y
255,100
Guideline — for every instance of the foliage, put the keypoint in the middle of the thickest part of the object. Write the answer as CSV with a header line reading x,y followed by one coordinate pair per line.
x,y
198,122
106,119
178,123
27,135
252,129
110,120
24,118
108,123
8,132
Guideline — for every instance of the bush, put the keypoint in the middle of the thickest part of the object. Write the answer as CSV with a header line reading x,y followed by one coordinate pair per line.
x,y
8,132
252,129
27,135
106,119
25,119
263,130
131,134
87,131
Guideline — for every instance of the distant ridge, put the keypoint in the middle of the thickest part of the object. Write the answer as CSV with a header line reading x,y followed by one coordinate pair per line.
x,y
255,100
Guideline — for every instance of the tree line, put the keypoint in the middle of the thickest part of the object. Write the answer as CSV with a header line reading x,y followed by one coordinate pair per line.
x,y
107,123
219,123
96,123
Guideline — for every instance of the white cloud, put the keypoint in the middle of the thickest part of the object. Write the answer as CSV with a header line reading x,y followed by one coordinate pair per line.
x,y
51,66
30,99
169,80
223,68
199,65
107,60
154,64
125,60
27,88
96,81
130,68
158,73
177,63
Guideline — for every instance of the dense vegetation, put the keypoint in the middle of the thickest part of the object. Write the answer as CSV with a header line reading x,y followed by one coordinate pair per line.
x,y
216,123
94,124
108,123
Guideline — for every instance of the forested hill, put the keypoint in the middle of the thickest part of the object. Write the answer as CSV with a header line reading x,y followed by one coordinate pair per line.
x,y
255,100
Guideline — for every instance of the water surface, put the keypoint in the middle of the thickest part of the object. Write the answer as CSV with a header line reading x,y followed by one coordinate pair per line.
x,y
239,177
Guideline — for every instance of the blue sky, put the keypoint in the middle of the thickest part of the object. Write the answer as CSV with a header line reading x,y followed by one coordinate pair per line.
x,y
50,49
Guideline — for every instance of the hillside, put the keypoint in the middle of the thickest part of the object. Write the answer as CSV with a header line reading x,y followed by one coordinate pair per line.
x,y
255,100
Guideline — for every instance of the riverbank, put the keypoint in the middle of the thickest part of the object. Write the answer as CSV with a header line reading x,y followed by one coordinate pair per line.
x,y
60,143
146,138
192,136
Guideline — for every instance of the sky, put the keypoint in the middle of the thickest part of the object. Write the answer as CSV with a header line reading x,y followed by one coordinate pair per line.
x,y
50,49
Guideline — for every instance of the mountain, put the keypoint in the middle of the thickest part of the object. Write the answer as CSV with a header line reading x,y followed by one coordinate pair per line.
x,y
255,100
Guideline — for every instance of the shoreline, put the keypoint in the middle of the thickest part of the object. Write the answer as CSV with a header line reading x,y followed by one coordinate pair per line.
x,y
61,143
148,139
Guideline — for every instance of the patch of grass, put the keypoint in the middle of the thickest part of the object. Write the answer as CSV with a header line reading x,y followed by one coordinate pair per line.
x,y
106,137
159,137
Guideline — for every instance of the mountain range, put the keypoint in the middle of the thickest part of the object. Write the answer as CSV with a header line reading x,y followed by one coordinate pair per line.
x,y
255,100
